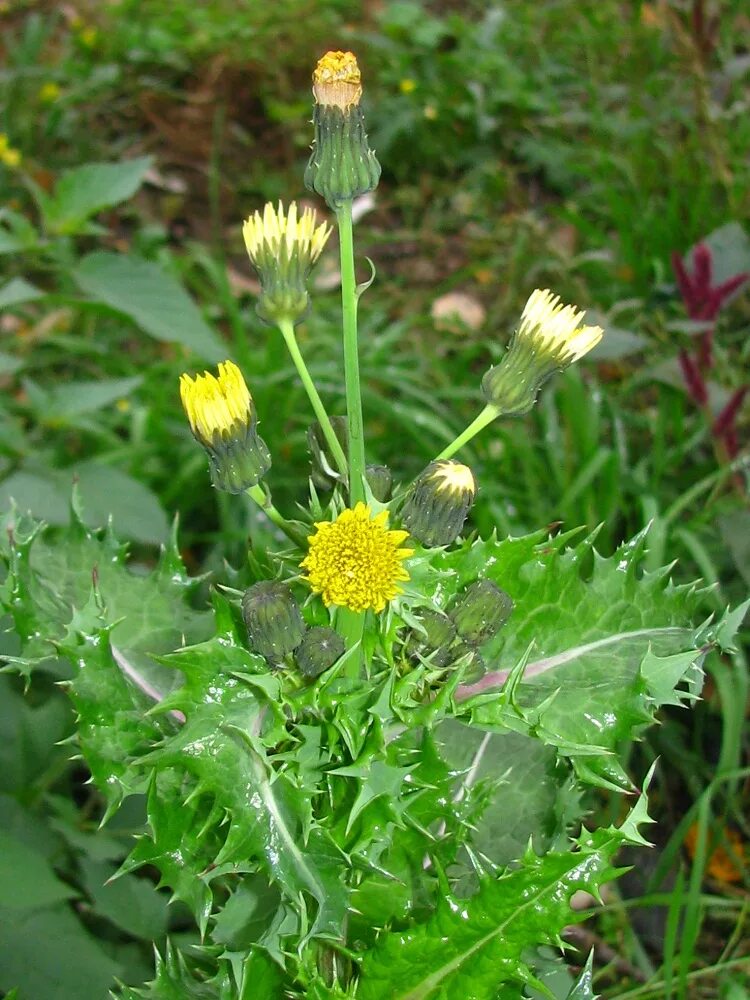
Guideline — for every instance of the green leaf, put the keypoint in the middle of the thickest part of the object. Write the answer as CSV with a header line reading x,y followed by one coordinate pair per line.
x,y
152,298
27,881
130,903
51,574
530,794
105,492
583,645
17,292
473,947
84,191
49,956
62,402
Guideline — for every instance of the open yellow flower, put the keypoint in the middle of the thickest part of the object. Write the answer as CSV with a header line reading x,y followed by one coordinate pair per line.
x,y
356,562
222,418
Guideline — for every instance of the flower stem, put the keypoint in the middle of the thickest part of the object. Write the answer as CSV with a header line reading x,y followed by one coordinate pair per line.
x,y
488,414
287,332
263,500
351,624
351,356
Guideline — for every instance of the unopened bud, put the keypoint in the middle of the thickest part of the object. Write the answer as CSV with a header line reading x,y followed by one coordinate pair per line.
x,y
439,500
380,480
342,165
481,611
273,620
436,639
549,339
319,650
222,418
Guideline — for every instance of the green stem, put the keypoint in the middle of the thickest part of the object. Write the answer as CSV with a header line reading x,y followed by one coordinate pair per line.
x,y
287,332
263,500
488,414
351,624
351,356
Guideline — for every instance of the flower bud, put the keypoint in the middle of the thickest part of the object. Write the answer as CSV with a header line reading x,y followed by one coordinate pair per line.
x,y
283,246
273,620
438,636
438,502
324,473
549,339
380,480
342,165
480,612
319,650
222,418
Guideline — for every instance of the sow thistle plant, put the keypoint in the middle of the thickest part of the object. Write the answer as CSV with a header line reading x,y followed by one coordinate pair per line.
x,y
366,766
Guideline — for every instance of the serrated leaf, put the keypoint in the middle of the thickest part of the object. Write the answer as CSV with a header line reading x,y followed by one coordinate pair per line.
x,y
583,630
530,793
51,574
473,947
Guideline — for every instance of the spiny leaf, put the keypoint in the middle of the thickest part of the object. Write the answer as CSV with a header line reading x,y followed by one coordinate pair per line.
x,y
596,644
472,947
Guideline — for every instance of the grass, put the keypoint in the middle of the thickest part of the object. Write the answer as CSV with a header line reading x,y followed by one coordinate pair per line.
x,y
523,147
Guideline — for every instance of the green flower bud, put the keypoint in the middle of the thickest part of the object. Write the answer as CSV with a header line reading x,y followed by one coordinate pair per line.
x,y
438,502
342,165
222,418
549,339
481,611
319,650
435,642
283,246
380,480
324,472
273,620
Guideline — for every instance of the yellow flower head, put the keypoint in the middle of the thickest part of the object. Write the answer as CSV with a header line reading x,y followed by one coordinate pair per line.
x,y
278,235
407,85
337,80
355,561
215,406
283,246
550,337
454,478
49,92
222,417
556,328
8,155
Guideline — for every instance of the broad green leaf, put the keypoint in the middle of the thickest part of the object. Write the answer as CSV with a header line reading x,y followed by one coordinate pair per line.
x,y
474,947
48,955
9,364
71,399
29,736
152,298
18,291
105,492
84,191
130,903
27,881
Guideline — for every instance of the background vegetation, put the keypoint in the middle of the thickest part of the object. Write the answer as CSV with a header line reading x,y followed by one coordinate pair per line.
x,y
579,146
